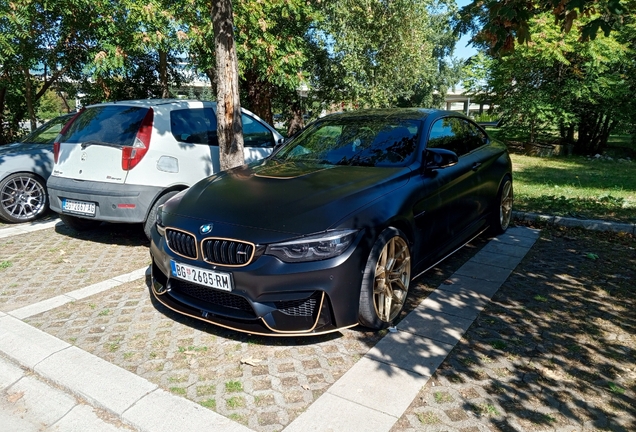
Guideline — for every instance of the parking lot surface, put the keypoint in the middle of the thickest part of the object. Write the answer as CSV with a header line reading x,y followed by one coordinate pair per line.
x,y
98,305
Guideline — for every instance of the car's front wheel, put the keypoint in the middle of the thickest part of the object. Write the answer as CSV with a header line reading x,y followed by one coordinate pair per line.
x,y
22,197
386,280
79,224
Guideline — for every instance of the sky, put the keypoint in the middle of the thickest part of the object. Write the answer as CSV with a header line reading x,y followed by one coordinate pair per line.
x,y
461,49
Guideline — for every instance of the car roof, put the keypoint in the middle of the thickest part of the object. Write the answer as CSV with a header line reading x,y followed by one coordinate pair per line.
x,y
392,113
148,103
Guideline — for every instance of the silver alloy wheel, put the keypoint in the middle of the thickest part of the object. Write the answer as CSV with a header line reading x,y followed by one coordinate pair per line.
x,y
392,278
22,198
505,207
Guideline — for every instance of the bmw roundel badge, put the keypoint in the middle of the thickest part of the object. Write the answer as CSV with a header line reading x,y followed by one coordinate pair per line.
x,y
206,228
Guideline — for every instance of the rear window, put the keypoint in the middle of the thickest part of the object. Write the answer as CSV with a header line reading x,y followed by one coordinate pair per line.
x,y
111,124
194,126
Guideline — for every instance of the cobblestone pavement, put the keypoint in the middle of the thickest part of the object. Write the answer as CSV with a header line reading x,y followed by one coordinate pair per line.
x,y
555,350
264,383
42,264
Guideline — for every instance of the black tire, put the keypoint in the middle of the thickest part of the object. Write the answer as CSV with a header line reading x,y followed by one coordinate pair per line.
x,y
501,215
79,224
23,197
377,310
152,214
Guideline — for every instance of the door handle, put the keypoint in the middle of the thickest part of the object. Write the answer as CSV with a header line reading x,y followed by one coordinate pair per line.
x,y
476,165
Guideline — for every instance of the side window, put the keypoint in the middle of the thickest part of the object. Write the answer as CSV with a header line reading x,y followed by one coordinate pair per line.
x,y
475,137
194,126
447,133
255,134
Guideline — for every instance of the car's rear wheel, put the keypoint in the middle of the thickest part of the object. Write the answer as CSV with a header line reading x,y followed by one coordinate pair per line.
x,y
22,197
502,212
79,224
386,280
152,214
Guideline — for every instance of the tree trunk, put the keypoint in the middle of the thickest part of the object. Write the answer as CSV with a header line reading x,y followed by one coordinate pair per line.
x,y
66,105
228,108
259,96
211,73
3,94
29,98
163,74
296,123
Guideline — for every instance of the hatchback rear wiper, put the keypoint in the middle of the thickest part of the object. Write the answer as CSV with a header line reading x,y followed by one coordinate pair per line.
x,y
101,143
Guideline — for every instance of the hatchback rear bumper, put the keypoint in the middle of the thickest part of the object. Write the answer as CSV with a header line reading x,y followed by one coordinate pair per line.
x,y
113,202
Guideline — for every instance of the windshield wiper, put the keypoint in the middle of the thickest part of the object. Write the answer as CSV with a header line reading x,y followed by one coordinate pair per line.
x,y
101,143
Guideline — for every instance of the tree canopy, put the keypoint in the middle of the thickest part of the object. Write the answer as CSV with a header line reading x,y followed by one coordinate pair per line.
x,y
557,81
360,52
498,25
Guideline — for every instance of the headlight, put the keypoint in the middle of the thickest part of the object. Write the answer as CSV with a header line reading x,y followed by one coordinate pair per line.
x,y
313,248
161,229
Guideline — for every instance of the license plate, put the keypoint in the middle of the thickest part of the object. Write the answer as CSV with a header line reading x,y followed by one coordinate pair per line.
x,y
72,206
209,278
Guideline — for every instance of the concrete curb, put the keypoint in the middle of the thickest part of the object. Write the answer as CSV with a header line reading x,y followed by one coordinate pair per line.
x,y
588,224
33,226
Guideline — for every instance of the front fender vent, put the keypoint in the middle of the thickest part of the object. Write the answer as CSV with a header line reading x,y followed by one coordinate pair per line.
x,y
300,308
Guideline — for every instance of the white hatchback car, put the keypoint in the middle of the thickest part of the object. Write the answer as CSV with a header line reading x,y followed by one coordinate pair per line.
x,y
119,161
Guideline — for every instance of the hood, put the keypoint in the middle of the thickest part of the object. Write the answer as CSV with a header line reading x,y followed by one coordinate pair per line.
x,y
290,197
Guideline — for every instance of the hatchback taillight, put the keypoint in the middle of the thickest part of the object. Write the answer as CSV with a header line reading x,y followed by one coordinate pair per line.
x,y
132,155
58,138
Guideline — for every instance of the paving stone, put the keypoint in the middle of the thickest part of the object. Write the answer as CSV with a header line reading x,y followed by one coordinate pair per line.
x,y
83,418
465,304
9,373
487,273
100,382
379,386
410,352
486,258
435,325
320,417
36,404
160,411
25,344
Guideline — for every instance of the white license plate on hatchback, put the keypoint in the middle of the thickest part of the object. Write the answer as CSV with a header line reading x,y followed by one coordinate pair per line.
x,y
209,278
81,207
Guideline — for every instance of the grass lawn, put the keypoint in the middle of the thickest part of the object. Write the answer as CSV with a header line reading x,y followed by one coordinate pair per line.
x,y
575,186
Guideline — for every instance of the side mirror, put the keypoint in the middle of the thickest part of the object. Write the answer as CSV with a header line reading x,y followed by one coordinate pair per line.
x,y
438,158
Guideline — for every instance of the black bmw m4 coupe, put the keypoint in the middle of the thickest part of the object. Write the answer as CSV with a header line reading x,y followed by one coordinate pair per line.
x,y
329,231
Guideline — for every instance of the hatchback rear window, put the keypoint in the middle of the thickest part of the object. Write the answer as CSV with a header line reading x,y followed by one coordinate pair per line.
x,y
110,124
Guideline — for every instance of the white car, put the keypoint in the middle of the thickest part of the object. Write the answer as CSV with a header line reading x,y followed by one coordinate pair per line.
x,y
119,161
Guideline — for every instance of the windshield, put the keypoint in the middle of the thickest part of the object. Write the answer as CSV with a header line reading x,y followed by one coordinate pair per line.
x,y
114,124
360,141
46,133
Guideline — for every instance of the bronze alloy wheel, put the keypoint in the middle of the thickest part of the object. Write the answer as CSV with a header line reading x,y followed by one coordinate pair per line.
x,y
392,277
505,207
22,198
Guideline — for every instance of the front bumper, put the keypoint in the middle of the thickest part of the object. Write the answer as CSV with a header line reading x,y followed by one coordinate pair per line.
x,y
269,297
114,202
